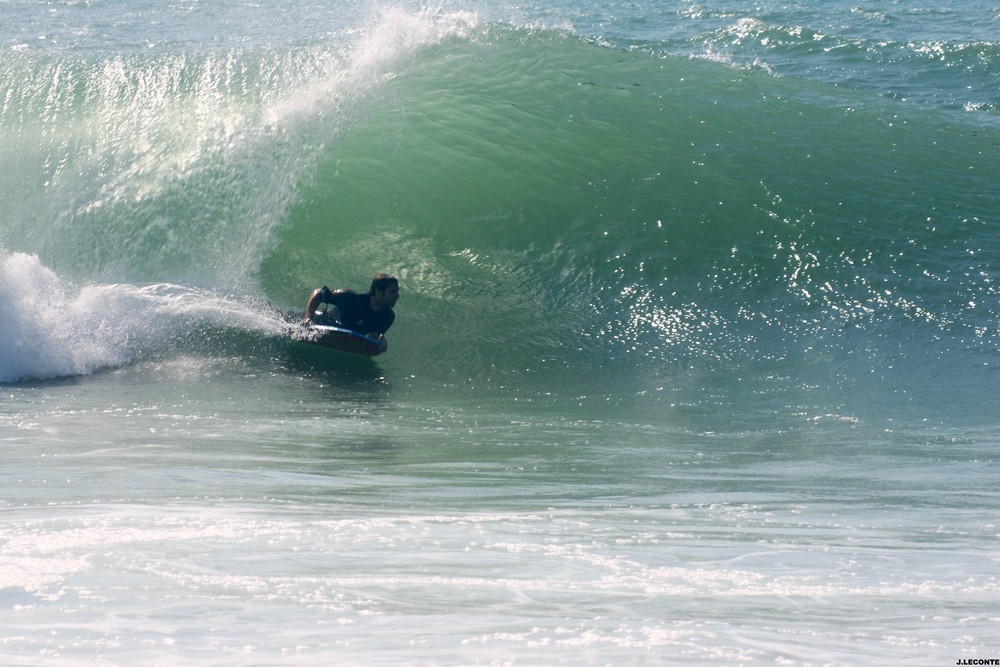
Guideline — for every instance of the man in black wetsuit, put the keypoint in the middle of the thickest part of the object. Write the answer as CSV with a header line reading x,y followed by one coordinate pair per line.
x,y
370,314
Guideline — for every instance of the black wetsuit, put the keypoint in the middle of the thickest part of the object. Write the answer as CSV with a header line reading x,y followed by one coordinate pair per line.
x,y
354,312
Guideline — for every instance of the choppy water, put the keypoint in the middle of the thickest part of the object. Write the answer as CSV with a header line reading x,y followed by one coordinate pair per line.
x,y
695,362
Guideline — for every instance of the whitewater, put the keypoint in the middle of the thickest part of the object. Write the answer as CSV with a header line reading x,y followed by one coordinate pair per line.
x,y
695,360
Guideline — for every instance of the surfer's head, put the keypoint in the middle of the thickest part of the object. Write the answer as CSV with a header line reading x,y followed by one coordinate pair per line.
x,y
382,282
385,289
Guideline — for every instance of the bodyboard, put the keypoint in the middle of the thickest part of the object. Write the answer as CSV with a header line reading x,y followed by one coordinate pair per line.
x,y
338,338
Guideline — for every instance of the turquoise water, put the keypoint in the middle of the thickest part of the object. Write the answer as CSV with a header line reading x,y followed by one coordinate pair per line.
x,y
695,360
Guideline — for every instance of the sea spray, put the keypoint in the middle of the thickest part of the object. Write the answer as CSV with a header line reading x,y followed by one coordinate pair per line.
x,y
51,328
151,166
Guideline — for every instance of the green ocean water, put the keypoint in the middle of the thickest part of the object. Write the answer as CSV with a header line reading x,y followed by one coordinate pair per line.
x,y
695,358
657,213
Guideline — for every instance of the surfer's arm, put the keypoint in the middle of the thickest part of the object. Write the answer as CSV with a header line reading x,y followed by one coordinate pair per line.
x,y
319,295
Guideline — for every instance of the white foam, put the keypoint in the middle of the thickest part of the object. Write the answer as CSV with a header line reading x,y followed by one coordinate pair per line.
x,y
396,36
49,328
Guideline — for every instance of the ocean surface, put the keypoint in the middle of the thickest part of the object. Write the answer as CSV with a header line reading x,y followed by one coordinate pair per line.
x,y
697,359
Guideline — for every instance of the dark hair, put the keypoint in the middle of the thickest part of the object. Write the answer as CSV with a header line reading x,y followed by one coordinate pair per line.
x,y
382,282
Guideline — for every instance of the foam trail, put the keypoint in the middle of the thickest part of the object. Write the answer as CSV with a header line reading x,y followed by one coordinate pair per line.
x,y
49,329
